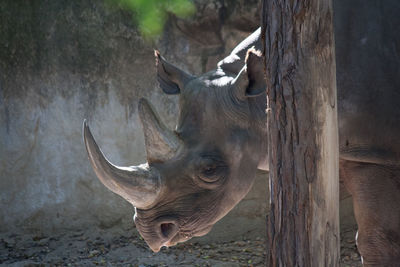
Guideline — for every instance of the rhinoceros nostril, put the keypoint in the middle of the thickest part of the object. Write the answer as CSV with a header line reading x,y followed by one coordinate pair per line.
x,y
168,229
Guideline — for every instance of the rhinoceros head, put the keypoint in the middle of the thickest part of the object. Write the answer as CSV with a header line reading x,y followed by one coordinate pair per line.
x,y
199,172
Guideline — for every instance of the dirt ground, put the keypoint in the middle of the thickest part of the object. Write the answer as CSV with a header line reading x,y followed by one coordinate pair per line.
x,y
126,248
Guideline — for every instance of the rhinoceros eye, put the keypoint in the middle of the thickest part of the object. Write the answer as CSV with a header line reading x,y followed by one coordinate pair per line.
x,y
212,171
209,172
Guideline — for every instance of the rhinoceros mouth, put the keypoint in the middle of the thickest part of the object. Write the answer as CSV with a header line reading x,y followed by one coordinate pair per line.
x,y
183,236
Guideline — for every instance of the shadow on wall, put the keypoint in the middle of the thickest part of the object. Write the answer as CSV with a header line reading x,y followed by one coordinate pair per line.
x,y
61,62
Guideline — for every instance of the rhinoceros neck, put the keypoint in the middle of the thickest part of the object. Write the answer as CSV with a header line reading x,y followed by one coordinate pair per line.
x,y
233,64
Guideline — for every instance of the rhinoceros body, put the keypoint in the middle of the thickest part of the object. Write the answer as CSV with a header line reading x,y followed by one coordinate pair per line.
x,y
200,171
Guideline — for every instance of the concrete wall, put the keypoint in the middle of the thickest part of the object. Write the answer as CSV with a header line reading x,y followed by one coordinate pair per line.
x,y
63,61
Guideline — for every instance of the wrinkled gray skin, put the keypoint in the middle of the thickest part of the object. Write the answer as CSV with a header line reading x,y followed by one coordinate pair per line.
x,y
204,168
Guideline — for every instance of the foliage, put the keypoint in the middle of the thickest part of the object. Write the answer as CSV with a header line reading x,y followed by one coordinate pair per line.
x,y
151,15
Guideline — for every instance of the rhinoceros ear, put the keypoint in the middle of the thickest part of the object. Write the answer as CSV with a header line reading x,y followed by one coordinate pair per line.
x,y
172,80
250,81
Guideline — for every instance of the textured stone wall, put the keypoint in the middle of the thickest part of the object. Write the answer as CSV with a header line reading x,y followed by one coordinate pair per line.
x,y
63,61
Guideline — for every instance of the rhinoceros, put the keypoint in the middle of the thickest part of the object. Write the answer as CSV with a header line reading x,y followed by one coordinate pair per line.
x,y
197,173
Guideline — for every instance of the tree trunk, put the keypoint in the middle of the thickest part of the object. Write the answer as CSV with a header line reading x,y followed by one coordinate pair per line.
x,y
303,225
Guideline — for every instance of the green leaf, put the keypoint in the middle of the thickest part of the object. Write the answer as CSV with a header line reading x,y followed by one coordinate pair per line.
x,y
151,15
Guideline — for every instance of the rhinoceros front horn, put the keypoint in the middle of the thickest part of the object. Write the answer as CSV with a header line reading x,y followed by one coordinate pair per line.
x,y
140,185
161,143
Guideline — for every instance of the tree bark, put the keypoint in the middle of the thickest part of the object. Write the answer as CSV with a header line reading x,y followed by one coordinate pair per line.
x,y
303,225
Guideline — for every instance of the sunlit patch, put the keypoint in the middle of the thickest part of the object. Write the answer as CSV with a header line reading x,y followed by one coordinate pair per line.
x,y
225,80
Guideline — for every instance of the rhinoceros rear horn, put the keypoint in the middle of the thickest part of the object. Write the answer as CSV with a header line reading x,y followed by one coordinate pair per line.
x,y
161,143
172,79
140,185
250,81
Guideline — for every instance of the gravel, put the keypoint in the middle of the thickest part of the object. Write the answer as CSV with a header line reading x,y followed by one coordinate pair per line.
x,y
125,248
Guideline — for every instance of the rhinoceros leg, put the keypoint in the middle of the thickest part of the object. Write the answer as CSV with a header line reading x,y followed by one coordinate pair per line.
x,y
376,199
